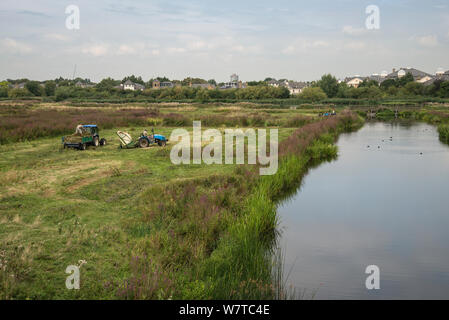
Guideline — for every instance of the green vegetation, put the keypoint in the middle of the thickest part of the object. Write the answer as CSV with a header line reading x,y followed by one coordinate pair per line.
x,y
145,226
149,229
443,130
369,92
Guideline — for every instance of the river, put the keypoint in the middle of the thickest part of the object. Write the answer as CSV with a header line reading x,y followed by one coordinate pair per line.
x,y
383,202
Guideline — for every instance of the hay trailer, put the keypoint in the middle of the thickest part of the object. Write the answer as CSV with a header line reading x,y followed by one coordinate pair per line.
x,y
85,135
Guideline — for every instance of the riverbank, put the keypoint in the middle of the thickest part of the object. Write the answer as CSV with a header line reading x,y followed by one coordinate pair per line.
x,y
146,228
242,266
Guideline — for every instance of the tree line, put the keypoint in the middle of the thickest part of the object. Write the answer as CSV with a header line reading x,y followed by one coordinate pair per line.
x,y
327,87
404,87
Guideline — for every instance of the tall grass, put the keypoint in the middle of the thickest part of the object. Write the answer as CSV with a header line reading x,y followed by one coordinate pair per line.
x,y
215,237
242,266
443,131
21,124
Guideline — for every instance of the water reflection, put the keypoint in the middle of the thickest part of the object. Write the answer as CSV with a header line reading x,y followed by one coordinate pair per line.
x,y
384,201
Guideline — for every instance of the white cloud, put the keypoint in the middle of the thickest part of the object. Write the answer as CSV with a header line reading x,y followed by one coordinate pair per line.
x,y
428,41
350,30
125,49
355,45
288,50
56,36
176,50
96,50
15,47
301,45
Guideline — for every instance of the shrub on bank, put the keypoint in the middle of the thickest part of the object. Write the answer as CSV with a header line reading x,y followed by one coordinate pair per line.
x,y
21,123
443,131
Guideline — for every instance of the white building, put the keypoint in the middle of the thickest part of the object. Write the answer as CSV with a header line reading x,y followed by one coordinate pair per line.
x,y
129,85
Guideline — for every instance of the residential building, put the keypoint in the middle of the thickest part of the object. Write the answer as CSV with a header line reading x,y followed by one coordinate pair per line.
x,y
19,85
129,85
166,84
438,77
439,72
355,81
295,87
156,84
80,84
418,75
234,83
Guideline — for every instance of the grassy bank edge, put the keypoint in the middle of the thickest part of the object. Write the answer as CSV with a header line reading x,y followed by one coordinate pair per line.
x,y
241,267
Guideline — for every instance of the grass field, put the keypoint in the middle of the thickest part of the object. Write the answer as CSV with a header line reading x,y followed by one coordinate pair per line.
x,y
146,228
60,206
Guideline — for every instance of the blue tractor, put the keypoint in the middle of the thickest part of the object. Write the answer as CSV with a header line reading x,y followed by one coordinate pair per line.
x,y
144,141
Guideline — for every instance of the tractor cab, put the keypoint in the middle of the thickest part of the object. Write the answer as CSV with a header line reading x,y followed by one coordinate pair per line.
x,y
91,129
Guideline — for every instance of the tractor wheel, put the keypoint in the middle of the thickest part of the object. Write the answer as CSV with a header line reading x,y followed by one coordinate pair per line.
x,y
102,142
161,143
82,146
95,142
143,143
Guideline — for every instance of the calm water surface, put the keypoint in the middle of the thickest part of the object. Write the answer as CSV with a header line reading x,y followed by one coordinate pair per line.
x,y
384,205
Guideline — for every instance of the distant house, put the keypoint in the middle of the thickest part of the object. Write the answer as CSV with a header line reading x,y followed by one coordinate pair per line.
x,y
156,84
235,83
166,84
379,78
354,81
80,84
19,85
162,85
440,76
418,75
129,85
295,87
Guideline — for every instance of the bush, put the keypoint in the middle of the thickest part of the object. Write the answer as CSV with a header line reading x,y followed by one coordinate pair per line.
x,y
50,88
18,93
3,92
62,93
313,94
443,130
34,87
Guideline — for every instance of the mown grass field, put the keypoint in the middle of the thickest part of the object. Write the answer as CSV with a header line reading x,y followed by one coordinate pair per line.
x,y
60,206
146,228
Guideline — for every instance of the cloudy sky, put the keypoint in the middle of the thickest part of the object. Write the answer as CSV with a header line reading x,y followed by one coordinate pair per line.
x,y
293,39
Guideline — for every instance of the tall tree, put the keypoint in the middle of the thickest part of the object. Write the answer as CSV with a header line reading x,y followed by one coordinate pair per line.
x,y
329,85
34,87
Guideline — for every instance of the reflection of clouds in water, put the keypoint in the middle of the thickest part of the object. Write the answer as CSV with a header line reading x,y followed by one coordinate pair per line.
x,y
384,207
